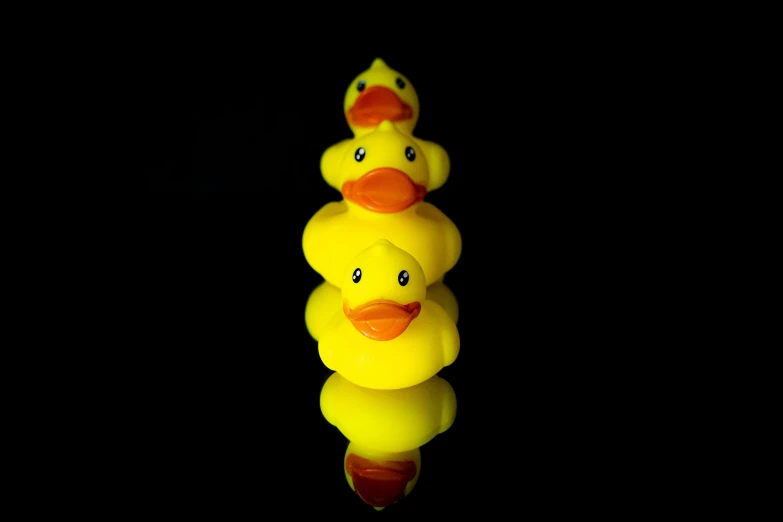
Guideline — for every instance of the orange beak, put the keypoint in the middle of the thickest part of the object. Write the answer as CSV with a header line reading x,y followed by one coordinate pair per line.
x,y
382,319
379,484
384,190
375,104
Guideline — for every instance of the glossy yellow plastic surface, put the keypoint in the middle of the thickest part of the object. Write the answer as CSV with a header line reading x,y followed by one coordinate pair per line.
x,y
389,420
326,300
384,179
377,94
388,335
381,478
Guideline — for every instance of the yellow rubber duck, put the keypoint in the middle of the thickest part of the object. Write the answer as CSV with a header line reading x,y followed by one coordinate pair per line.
x,y
383,180
388,335
326,299
389,420
377,94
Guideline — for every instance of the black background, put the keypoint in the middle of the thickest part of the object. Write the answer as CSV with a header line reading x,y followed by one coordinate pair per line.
x,y
538,134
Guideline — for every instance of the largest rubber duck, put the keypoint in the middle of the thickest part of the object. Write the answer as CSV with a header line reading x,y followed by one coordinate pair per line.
x,y
383,178
380,93
388,335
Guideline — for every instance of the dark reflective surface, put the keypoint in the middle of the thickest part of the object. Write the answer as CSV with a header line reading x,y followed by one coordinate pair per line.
x,y
230,376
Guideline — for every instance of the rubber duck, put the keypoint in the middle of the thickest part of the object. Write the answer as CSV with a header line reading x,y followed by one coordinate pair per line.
x,y
388,335
381,478
389,420
377,94
326,299
384,180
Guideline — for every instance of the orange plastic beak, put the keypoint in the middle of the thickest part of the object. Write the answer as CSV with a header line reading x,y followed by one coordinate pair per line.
x,y
375,104
384,190
382,319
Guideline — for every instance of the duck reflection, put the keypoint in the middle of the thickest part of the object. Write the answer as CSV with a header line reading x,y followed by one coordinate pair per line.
x,y
386,429
381,478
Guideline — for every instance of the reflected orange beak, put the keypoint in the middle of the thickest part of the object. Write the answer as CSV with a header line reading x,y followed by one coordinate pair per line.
x,y
375,104
384,190
379,484
382,319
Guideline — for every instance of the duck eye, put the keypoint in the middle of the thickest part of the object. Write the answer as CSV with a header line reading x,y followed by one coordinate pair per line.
x,y
402,278
410,153
361,85
360,154
357,275
400,83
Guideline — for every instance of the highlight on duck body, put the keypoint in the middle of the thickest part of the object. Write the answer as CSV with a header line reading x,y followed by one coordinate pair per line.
x,y
379,94
388,335
386,430
383,181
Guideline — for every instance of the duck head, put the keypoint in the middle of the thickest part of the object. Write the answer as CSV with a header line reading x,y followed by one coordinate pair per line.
x,y
377,94
383,291
385,171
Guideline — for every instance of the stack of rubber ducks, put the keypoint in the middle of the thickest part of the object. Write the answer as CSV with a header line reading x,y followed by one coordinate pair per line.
x,y
383,318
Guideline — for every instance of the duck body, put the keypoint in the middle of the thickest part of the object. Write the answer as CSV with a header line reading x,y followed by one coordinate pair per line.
x,y
428,344
340,230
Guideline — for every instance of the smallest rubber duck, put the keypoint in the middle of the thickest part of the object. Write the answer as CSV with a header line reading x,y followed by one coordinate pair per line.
x,y
388,335
380,93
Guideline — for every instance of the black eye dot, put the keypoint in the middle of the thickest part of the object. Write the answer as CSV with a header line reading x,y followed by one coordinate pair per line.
x,y
403,278
357,275
400,83
410,153
359,154
361,85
